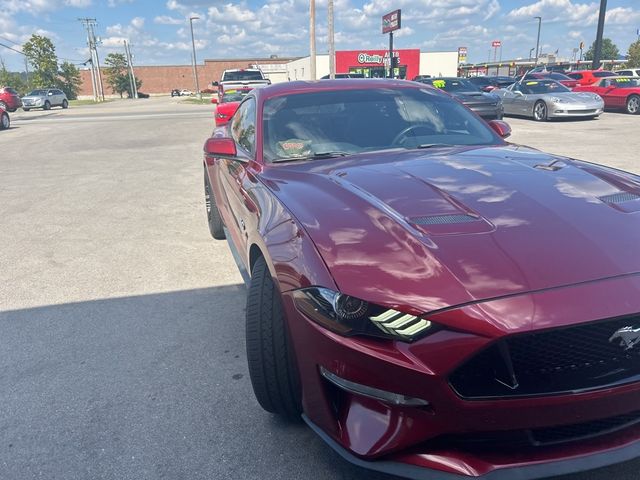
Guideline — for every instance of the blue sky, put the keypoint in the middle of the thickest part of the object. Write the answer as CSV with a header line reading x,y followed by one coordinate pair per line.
x,y
159,33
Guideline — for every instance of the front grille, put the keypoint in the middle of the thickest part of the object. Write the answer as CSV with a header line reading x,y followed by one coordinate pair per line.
x,y
540,437
577,358
586,112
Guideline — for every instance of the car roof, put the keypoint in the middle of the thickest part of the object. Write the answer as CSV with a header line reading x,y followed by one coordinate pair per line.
x,y
306,86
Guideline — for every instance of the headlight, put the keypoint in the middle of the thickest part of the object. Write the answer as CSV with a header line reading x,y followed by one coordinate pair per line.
x,y
349,315
558,100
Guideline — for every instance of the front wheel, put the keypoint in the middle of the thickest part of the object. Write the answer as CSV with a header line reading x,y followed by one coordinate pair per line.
x,y
633,104
65,104
540,111
272,368
5,122
216,227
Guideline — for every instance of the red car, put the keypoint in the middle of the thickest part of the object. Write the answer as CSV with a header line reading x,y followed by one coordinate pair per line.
x,y
228,104
617,92
5,121
433,301
588,77
9,99
558,77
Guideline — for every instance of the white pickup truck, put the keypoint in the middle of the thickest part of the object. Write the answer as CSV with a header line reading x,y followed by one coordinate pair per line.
x,y
239,78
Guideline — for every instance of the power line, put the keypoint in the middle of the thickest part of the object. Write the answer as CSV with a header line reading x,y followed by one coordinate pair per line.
x,y
96,75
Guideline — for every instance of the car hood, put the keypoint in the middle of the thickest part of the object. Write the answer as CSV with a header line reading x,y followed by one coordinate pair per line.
x,y
575,97
429,230
33,97
476,97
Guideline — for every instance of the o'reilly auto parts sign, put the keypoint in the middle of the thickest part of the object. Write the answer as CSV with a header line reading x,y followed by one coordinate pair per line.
x,y
391,21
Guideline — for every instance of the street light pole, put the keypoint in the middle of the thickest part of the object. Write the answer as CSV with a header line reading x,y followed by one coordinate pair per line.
x,y
597,50
312,39
531,52
194,61
538,41
332,44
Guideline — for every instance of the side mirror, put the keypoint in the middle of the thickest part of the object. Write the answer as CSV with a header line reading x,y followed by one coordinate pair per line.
x,y
518,92
50,93
223,147
214,99
488,88
215,84
501,128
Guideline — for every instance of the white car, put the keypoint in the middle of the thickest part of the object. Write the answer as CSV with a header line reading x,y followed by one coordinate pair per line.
x,y
630,72
185,93
44,98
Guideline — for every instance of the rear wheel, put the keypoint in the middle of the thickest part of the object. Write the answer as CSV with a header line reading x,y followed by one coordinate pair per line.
x,y
5,122
272,368
26,109
633,104
540,111
65,104
47,105
216,227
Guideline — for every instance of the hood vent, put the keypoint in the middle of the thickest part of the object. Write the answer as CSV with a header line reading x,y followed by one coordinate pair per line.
x,y
620,197
443,219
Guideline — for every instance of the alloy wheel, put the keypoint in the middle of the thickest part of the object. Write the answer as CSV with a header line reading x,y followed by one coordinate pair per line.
x,y
540,111
633,105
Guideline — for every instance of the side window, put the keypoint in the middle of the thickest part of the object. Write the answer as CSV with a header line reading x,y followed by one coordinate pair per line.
x,y
243,126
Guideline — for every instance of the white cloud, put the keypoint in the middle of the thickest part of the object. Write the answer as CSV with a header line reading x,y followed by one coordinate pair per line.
x,y
168,20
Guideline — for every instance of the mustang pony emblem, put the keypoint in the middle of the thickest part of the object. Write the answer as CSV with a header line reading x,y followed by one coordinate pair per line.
x,y
626,337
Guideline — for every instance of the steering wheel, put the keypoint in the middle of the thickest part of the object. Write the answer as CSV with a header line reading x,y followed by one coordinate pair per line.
x,y
404,133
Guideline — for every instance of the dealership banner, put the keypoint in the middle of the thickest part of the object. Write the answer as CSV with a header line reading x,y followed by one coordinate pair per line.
x,y
391,21
462,55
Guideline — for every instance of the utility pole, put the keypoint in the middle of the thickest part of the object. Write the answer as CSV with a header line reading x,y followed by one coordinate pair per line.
x,y
26,69
597,50
538,41
89,24
193,46
312,39
332,44
132,76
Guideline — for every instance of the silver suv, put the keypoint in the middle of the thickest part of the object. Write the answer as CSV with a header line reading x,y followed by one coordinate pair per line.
x,y
45,98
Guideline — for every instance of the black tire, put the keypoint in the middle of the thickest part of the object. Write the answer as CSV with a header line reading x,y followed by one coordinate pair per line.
x,y
26,109
47,105
5,121
65,104
540,111
272,368
216,226
633,104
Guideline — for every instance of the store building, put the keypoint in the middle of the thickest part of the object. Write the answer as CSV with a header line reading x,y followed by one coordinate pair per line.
x,y
375,64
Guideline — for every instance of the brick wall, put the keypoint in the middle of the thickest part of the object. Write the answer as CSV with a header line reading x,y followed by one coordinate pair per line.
x,y
162,79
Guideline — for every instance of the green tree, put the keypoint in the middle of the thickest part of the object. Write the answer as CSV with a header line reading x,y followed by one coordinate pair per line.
x,y
70,80
117,73
609,50
12,79
41,54
634,55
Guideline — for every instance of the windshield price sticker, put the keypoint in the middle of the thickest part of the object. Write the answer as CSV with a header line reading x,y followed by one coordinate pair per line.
x,y
439,83
531,83
294,148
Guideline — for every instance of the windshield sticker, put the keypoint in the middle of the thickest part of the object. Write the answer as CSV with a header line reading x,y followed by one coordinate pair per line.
x,y
294,148
621,80
439,83
531,83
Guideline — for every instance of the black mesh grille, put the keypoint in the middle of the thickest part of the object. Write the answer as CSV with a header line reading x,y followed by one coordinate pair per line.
x,y
443,219
620,197
581,357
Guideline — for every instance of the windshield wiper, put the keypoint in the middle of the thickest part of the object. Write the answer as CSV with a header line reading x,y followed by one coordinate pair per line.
x,y
433,145
318,155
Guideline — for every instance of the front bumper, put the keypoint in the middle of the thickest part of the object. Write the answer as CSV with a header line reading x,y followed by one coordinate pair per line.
x,y
568,110
417,442
488,111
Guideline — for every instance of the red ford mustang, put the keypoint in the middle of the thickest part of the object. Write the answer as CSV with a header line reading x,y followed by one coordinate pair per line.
x,y
621,93
434,302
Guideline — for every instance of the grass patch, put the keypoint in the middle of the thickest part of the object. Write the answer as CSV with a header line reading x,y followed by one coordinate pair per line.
x,y
77,103
194,100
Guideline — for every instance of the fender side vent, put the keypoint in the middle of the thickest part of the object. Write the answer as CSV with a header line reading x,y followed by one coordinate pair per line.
x,y
620,197
443,219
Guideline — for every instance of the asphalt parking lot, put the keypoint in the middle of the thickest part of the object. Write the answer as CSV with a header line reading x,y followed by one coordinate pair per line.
x,y
122,321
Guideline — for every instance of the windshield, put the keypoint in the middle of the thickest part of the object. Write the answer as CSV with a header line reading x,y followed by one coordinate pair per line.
x,y
344,122
242,75
540,86
603,73
559,76
452,84
235,94
37,93
622,82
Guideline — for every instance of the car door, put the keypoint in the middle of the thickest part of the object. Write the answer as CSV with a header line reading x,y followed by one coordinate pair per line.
x,y
59,94
508,100
234,181
520,101
602,88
